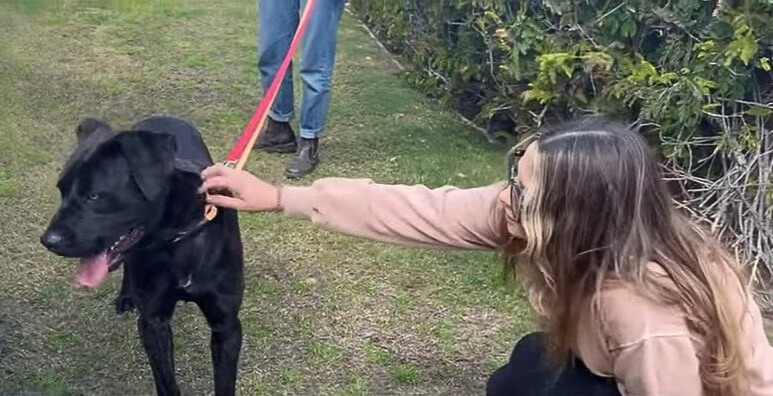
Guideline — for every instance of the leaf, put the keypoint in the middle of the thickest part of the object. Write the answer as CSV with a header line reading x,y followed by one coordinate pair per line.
x,y
765,64
704,85
748,49
744,44
728,61
665,78
758,111
613,24
628,29
568,69
749,138
596,59
541,96
706,49
492,15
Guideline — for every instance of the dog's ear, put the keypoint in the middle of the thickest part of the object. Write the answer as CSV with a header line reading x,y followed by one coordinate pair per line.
x,y
88,126
151,159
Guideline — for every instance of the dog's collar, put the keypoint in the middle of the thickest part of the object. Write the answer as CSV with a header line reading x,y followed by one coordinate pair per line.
x,y
175,236
187,232
183,281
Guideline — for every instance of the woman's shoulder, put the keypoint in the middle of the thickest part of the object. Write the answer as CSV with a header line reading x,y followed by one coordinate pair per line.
x,y
628,314
620,318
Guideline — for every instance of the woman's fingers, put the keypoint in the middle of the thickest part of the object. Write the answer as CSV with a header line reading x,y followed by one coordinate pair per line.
x,y
224,201
212,183
244,190
214,170
207,176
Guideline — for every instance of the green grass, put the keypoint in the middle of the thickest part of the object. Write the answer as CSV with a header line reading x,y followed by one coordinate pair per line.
x,y
376,355
323,313
406,374
46,382
324,354
60,340
8,185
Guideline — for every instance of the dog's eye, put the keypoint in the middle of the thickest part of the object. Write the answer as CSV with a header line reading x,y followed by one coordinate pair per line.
x,y
93,197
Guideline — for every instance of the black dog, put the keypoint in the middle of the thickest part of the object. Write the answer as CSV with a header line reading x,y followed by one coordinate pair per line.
x,y
131,198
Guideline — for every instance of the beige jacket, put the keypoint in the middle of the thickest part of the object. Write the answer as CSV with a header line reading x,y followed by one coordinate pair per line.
x,y
644,345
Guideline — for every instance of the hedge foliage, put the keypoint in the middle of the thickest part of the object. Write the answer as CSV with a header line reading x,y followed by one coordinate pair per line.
x,y
668,62
696,73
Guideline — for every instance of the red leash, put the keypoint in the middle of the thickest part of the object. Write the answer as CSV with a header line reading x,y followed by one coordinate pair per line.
x,y
241,151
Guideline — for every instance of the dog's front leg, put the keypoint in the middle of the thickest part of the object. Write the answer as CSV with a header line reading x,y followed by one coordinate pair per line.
x,y
225,343
125,301
156,335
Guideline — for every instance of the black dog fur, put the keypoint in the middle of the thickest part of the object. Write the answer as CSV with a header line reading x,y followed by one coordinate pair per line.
x,y
147,179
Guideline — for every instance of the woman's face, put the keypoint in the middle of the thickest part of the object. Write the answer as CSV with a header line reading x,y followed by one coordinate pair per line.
x,y
525,179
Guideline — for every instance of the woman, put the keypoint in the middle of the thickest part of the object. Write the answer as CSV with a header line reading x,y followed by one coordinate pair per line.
x,y
634,299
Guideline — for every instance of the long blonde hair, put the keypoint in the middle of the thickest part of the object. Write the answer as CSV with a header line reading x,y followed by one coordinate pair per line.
x,y
598,212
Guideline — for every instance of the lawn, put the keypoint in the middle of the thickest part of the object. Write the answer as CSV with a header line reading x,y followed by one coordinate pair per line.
x,y
323,313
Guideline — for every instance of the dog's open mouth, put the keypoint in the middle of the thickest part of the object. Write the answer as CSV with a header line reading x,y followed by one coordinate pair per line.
x,y
93,270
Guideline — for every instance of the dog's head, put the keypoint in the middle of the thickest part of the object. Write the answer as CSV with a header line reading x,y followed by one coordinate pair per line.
x,y
112,189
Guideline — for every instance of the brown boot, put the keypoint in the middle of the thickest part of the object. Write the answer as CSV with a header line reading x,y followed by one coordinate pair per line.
x,y
277,137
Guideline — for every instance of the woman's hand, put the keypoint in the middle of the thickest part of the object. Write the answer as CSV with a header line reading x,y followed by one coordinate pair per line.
x,y
248,193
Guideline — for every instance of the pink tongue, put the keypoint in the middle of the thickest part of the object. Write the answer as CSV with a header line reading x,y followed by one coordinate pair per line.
x,y
93,270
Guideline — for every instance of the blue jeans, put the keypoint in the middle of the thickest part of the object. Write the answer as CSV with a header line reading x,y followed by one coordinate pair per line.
x,y
278,20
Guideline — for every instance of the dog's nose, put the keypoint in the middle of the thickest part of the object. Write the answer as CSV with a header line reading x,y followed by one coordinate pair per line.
x,y
52,240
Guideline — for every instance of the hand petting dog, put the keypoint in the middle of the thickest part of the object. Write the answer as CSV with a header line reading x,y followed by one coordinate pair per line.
x,y
248,193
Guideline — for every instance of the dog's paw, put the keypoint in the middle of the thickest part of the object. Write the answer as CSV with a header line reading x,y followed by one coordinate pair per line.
x,y
124,304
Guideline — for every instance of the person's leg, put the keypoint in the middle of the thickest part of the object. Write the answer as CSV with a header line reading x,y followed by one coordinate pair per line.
x,y
277,22
318,54
528,374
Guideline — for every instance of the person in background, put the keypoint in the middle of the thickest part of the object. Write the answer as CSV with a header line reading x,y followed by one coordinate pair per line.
x,y
633,297
278,20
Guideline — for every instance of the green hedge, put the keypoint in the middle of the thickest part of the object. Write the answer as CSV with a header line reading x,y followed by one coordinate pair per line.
x,y
695,74
669,62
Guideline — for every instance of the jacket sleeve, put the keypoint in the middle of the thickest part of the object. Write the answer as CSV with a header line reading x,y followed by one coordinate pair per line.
x,y
445,217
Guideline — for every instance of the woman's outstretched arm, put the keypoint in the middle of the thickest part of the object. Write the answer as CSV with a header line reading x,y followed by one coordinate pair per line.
x,y
445,217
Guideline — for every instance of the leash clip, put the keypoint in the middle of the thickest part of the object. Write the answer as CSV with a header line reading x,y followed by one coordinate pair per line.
x,y
210,211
